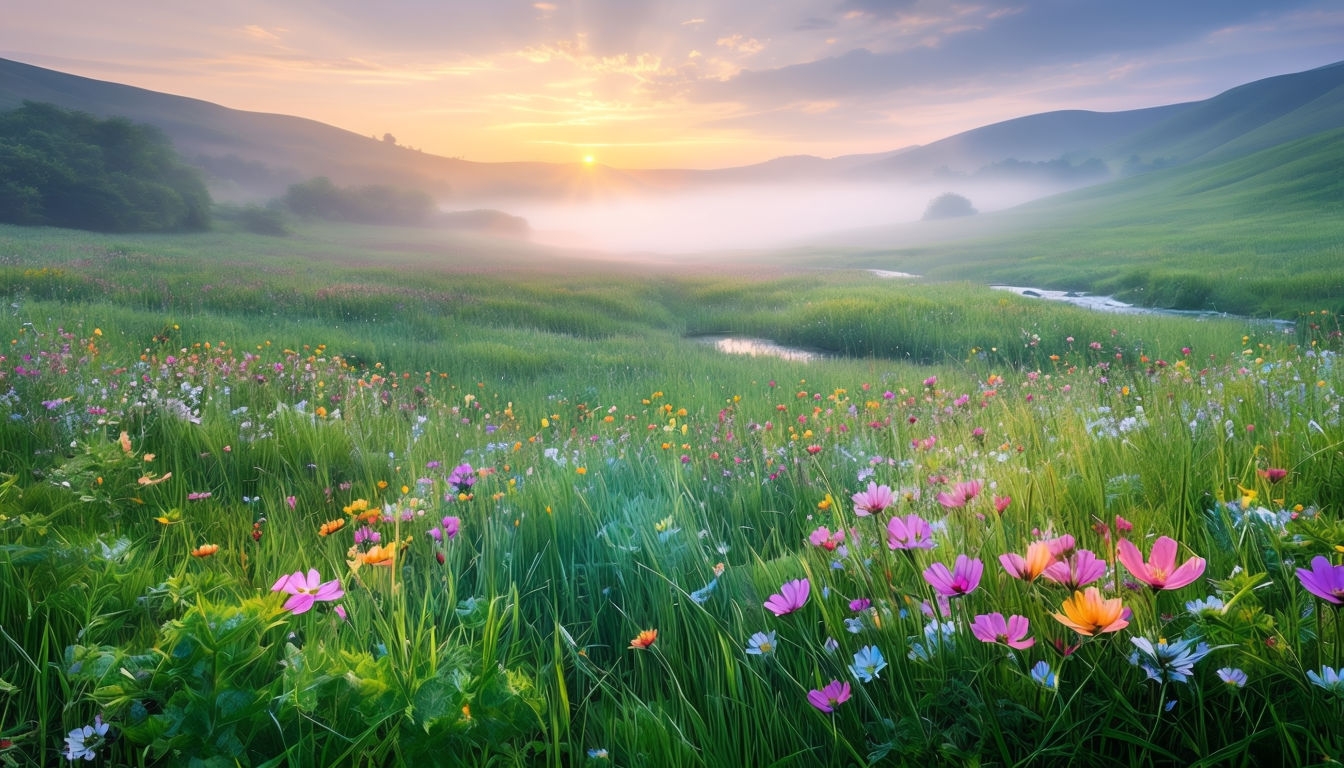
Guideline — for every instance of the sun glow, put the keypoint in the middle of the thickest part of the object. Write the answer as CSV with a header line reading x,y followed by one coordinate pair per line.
x,y
589,159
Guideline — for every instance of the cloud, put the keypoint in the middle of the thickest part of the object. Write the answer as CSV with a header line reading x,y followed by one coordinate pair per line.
x,y
879,8
814,23
741,44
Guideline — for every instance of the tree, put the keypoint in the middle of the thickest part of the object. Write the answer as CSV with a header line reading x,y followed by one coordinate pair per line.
x,y
948,205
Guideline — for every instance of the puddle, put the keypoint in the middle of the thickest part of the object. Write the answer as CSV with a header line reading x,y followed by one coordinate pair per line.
x,y
746,345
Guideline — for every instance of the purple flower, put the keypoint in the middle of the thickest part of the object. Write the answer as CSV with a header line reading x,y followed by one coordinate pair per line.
x,y
828,698
1323,580
909,532
791,596
860,604
451,526
1235,678
1079,569
462,477
305,590
961,580
873,500
1012,632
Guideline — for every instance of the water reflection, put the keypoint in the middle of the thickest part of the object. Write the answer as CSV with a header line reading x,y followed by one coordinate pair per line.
x,y
745,345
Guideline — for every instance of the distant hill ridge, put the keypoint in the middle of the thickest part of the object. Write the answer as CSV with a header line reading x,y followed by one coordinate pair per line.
x,y
251,155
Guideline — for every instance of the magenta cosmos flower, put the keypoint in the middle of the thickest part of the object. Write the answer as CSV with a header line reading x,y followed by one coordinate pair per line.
x,y
961,580
305,590
791,596
909,532
827,699
1077,570
1160,572
960,495
1012,632
873,500
1323,580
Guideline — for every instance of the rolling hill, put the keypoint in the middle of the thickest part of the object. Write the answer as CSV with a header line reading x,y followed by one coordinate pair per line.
x,y
255,155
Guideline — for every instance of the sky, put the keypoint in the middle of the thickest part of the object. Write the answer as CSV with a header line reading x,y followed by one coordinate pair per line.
x,y
674,83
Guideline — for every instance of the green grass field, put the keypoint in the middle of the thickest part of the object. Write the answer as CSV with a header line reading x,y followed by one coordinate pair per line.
x,y
510,467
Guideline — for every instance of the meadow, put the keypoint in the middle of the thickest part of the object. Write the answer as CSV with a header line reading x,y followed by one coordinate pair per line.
x,y
367,496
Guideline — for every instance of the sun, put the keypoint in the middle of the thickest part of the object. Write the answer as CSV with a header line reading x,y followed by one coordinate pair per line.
x,y
589,159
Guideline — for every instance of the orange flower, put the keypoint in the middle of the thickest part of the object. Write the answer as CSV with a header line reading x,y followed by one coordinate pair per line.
x,y
150,479
1088,613
331,526
379,555
205,550
644,640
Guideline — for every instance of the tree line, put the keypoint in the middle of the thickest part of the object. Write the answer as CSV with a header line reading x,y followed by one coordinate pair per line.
x,y
70,169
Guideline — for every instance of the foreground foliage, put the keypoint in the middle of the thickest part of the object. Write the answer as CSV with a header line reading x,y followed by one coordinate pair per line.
x,y
259,556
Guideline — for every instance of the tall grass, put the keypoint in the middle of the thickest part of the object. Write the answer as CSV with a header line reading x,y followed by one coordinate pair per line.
x,y
622,479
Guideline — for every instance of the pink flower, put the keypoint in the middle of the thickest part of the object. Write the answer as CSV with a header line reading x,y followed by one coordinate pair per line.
x,y
873,500
1012,632
1079,569
822,537
828,698
791,596
1324,580
451,526
305,590
961,580
1001,503
960,495
909,532
1160,572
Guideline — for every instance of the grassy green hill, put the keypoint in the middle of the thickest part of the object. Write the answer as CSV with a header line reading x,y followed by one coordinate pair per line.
x,y
1259,234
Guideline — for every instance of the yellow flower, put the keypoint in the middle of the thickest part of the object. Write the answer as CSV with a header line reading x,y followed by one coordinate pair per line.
x,y
825,504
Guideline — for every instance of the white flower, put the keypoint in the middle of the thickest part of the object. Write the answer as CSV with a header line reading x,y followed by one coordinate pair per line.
x,y
82,743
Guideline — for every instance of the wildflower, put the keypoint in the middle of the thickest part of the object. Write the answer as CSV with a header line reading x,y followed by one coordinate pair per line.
x,y
83,743
873,500
762,643
1328,679
860,604
1323,580
151,479
1030,567
1078,570
378,554
1001,503
1272,474
960,495
831,696
1209,605
644,639
791,596
961,580
205,550
937,636
597,753
909,532
306,590
1235,678
1012,632
1160,572
1088,613
853,626
198,495
331,526
1044,676
451,527
462,477
868,662
701,595
1167,662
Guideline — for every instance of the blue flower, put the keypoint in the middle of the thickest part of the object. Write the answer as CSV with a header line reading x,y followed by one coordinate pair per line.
x,y
854,626
1044,676
597,753
938,636
1328,679
1168,662
1209,605
701,595
868,662
762,644
1234,678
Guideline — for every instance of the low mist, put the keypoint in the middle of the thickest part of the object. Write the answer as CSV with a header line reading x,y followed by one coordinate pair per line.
x,y
742,217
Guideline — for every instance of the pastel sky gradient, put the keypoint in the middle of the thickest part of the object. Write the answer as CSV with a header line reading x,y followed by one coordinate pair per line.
x,y
674,83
